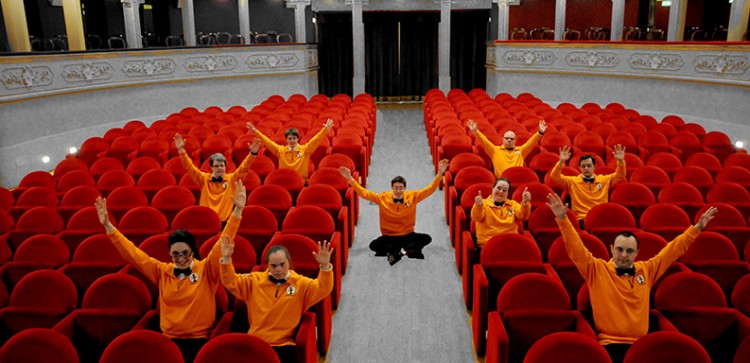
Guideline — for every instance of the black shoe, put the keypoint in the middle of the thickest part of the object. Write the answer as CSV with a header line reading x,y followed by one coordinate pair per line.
x,y
418,255
380,254
393,258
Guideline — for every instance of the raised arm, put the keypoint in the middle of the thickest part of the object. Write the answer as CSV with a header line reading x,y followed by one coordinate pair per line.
x,y
242,170
238,285
195,173
323,285
230,230
619,154
265,140
318,138
525,211
556,173
581,257
477,210
362,192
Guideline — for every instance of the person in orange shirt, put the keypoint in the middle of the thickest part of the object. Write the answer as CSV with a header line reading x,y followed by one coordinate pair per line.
x,y
398,215
277,297
620,287
497,214
508,154
588,189
187,286
217,187
293,155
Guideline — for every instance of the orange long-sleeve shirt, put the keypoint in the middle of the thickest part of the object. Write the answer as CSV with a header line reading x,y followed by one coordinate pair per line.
x,y
187,307
584,195
217,196
503,158
275,311
397,219
297,158
621,303
492,220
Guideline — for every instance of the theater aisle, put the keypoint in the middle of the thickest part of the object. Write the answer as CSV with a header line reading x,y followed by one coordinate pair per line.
x,y
412,311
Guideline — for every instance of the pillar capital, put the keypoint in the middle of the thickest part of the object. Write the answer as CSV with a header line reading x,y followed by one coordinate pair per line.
x,y
297,3
131,3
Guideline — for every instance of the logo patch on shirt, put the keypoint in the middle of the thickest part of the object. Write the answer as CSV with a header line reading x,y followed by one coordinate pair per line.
x,y
640,279
516,152
511,212
224,185
291,290
599,186
193,277
299,154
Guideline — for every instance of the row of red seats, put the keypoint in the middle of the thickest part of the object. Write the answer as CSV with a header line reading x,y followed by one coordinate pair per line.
x,y
534,309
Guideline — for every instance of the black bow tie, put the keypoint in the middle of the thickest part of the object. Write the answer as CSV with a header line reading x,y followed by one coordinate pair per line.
x,y
398,200
589,180
275,280
217,179
622,271
182,272
499,204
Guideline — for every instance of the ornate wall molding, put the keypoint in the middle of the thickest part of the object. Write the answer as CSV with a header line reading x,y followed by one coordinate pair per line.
x,y
148,67
26,77
656,61
722,64
592,59
87,72
272,60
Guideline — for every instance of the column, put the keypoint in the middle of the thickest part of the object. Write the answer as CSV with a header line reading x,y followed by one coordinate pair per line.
x,y
560,6
677,13
188,23
16,28
132,23
74,24
358,30
738,20
503,11
300,28
244,14
618,18
444,46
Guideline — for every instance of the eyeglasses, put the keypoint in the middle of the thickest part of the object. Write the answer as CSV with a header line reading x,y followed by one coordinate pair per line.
x,y
184,254
509,138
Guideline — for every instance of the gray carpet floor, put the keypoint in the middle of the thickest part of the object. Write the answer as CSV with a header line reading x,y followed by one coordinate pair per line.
x,y
412,311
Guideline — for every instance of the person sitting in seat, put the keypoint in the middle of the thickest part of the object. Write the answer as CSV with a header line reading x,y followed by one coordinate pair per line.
x,y
497,214
187,286
293,156
507,155
277,297
217,187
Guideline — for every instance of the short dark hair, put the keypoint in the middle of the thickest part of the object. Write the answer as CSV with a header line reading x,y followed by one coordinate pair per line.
x,y
628,234
291,131
586,156
398,179
499,180
181,235
217,157
276,248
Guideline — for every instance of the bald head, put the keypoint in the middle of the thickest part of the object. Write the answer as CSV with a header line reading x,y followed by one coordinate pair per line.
x,y
509,140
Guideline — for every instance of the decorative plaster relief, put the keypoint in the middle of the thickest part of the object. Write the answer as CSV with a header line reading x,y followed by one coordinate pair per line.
x,y
210,63
529,57
148,67
655,61
272,60
491,56
312,58
87,72
592,59
722,64
27,77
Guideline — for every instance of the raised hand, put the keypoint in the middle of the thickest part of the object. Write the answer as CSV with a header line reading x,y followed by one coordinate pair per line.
x,y
179,142
251,127
346,173
526,196
227,246
542,126
478,199
564,154
240,195
443,166
472,126
255,146
329,124
556,205
323,256
619,152
706,217
101,211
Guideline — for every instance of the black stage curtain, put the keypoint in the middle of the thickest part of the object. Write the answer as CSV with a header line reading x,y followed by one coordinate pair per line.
x,y
335,53
469,49
400,64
